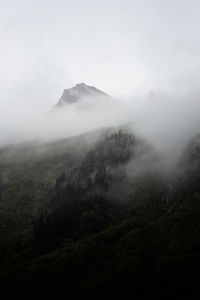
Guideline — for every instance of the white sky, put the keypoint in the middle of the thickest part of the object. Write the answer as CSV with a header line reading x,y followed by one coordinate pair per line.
x,y
121,46
131,49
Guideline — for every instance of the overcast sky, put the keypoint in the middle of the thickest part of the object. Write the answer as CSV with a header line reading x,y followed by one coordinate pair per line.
x,y
136,49
121,46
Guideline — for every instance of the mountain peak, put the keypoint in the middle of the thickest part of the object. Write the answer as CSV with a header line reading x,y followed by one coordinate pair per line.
x,y
78,92
80,84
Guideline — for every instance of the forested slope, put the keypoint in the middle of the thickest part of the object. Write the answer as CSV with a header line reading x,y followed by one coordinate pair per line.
x,y
95,230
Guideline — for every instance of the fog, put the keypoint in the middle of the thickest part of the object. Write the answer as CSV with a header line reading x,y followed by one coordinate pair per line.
x,y
167,120
145,54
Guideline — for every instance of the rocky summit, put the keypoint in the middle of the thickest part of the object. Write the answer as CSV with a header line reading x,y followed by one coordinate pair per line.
x,y
78,93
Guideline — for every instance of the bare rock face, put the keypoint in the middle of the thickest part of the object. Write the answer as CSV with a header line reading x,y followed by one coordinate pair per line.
x,y
79,92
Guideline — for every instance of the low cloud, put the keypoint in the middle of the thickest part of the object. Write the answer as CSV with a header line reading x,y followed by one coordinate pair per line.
x,y
166,119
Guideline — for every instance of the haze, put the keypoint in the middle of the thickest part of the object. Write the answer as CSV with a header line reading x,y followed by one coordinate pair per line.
x,y
143,53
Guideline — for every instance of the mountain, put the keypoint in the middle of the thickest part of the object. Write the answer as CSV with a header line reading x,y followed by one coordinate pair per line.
x,y
90,217
80,92
28,174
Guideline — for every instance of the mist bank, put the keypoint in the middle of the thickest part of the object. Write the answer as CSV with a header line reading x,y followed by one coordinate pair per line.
x,y
167,119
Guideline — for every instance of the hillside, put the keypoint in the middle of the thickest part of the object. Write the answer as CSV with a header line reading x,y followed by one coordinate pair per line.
x,y
92,217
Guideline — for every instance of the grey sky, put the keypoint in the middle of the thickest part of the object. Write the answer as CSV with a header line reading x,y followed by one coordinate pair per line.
x,y
120,46
128,48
